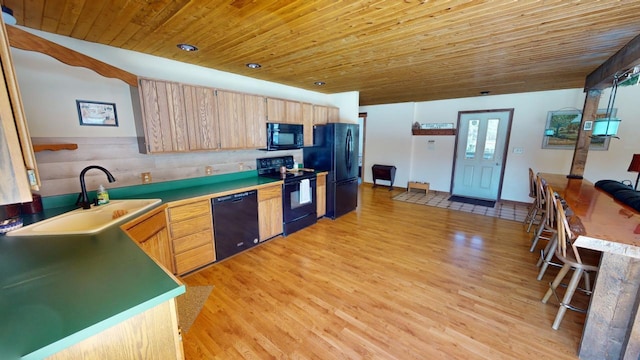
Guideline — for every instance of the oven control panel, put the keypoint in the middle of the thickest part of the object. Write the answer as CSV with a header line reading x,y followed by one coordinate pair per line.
x,y
272,165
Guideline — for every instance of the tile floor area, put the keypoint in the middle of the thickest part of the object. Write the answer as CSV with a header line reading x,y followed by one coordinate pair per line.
x,y
503,209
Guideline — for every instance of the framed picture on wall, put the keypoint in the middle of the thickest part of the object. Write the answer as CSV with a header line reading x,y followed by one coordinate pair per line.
x,y
95,113
561,131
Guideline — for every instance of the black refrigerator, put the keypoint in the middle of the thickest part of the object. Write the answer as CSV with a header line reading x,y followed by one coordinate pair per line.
x,y
335,149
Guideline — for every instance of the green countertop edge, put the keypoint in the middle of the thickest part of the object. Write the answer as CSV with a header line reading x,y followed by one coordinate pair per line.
x,y
97,328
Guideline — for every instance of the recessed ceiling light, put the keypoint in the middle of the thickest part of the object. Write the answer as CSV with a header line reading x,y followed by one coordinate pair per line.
x,y
319,83
254,66
484,92
187,47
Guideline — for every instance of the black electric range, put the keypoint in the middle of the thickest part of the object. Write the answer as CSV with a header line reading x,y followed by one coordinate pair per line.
x,y
298,192
270,167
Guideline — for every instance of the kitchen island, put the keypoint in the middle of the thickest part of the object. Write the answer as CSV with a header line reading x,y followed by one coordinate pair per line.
x,y
612,327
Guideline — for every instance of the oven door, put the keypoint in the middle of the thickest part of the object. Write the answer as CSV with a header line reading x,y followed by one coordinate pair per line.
x,y
297,201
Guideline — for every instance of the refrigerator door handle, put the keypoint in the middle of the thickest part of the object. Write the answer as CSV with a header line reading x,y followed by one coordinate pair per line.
x,y
347,153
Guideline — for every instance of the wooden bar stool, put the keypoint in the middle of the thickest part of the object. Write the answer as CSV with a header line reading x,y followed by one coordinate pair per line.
x,y
532,194
538,208
581,261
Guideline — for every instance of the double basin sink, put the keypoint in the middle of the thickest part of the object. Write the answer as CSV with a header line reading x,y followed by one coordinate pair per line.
x,y
89,221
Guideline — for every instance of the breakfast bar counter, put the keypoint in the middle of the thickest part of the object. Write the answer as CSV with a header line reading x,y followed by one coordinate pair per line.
x,y
612,326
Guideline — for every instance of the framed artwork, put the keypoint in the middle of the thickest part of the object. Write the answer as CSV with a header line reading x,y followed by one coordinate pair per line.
x,y
94,113
561,131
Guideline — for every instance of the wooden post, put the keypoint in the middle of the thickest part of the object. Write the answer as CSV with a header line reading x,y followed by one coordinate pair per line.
x,y
584,136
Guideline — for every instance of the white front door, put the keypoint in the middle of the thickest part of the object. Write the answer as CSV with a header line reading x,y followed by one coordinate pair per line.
x,y
481,151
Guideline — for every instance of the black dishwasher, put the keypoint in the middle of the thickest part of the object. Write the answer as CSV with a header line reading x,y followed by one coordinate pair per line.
x,y
235,223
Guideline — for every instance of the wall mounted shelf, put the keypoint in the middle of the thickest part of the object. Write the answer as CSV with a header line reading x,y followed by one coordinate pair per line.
x,y
54,147
433,131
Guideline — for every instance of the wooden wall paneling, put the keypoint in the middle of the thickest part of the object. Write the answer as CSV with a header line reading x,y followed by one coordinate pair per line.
x,y
232,122
255,108
511,49
307,122
60,169
201,114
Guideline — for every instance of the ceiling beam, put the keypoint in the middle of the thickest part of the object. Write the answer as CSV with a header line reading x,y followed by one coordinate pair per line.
x,y
626,58
24,40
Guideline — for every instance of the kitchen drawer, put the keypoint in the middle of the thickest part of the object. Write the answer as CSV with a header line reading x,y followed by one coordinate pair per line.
x,y
187,211
189,242
148,227
195,258
269,193
190,226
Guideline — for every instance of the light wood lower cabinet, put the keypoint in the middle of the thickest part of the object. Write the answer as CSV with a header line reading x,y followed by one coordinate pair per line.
x,y
191,233
321,195
151,234
156,329
270,211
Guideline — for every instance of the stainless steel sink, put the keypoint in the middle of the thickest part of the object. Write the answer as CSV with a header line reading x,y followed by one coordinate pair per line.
x,y
89,221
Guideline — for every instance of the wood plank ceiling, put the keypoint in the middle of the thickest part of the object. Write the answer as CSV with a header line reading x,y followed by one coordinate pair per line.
x,y
389,50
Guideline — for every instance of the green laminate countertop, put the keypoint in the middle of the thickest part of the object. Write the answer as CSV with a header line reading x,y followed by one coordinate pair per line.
x,y
58,290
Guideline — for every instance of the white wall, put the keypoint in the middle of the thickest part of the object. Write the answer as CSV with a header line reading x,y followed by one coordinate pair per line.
x,y
348,104
389,140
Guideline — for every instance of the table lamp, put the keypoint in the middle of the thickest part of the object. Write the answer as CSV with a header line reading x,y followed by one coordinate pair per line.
x,y
635,166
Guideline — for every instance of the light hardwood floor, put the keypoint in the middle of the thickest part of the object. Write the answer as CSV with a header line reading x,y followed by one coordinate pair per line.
x,y
392,280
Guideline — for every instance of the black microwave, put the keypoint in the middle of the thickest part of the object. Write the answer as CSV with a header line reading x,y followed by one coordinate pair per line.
x,y
284,136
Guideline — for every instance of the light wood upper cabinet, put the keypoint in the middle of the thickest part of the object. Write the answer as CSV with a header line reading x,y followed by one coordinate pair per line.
x,y
307,122
201,113
293,112
255,108
16,151
333,114
180,117
275,110
232,120
320,115
284,111
163,111
242,120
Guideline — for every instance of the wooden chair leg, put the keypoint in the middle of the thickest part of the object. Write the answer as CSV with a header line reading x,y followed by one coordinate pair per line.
x,y
532,219
546,256
566,300
532,208
554,285
536,237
